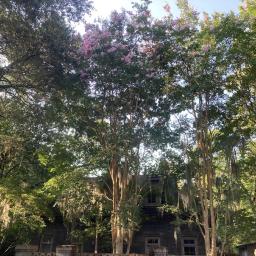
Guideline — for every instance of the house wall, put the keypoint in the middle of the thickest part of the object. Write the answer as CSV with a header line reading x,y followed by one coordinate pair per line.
x,y
170,236
153,225
55,233
247,250
252,250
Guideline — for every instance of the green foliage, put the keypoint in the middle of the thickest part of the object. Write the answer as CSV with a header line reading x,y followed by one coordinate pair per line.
x,y
39,49
181,89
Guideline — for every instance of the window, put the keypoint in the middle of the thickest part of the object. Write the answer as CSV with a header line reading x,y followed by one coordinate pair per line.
x,y
151,243
189,246
151,197
154,179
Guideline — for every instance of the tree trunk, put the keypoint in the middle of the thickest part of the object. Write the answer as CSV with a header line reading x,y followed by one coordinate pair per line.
x,y
119,240
96,238
129,241
206,177
119,183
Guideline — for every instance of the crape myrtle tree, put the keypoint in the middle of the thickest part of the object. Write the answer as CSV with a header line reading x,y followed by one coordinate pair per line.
x,y
212,92
125,95
196,88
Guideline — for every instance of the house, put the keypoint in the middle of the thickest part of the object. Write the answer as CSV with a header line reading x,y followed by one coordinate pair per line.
x,y
158,229
247,249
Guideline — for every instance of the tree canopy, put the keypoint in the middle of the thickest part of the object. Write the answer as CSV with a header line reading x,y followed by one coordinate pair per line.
x,y
82,117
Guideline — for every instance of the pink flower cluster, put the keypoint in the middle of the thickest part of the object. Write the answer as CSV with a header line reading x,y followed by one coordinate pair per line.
x,y
206,17
147,48
245,5
92,38
146,14
105,34
193,53
206,47
167,8
83,74
179,25
89,44
116,46
127,58
91,41
112,49
117,17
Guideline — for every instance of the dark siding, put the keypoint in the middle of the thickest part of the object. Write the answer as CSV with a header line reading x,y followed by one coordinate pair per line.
x,y
247,248
157,225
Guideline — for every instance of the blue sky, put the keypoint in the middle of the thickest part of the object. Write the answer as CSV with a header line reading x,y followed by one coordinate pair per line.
x,y
216,5
209,6
104,7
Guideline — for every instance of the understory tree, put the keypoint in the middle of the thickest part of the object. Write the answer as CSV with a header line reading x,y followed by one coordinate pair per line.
x,y
236,137
37,63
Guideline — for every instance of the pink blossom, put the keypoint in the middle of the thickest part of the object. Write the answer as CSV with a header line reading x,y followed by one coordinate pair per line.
x,y
175,22
87,46
122,46
206,17
206,47
147,49
117,17
119,46
245,5
130,13
195,13
106,34
178,26
112,49
116,46
193,53
91,41
146,13
185,26
128,58
83,75
167,8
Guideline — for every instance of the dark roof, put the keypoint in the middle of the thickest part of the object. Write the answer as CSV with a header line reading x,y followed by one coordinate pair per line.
x,y
242,245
